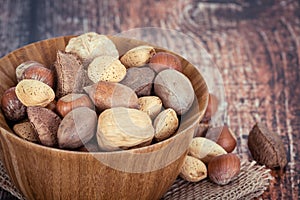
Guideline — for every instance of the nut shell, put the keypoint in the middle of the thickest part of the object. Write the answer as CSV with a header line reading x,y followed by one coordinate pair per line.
x,y
71,101
175,90
46,124
224,168
91,45
138,56
77,128
193,169
205,149
122,128
165,124
106,68
223,136
34,93
211,109
12,107
266,147
164,60
39,73
26,131
151,105
71,76
23,66
140,80
108,94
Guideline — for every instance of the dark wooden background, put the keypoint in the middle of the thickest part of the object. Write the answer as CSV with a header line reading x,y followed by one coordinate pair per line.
x,y
255,43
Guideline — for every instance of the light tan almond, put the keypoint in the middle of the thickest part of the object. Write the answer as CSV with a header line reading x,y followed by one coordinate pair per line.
x,y
106,68
193,169
34,93
165,124
151,105
205,149
138,56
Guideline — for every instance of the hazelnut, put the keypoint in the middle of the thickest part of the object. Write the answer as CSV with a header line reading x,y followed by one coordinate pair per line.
x,y
71,101
164,60
211,109
12,107
52,105
224,168
25,65
223,136
39,73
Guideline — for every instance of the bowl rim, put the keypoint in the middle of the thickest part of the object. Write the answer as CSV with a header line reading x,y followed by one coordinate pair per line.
x,y
9,132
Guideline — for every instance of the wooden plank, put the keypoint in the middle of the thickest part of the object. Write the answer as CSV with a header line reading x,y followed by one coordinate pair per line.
x,y
256,46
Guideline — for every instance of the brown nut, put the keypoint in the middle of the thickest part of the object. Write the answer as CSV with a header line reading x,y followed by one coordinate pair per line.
x,y
71,101
165,124
205,149
91,45
151,105
211,109
224,168
34,93
137,56
108,94
23,66
106,68
52,105
175,90
71,76
39,73
46,124
90,146
223,136
12,107
164,60
193,169
77,128
266,147
26,131
201,129
140,80
123,128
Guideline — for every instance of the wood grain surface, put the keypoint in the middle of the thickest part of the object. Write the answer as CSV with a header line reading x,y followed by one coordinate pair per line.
x,y
256,45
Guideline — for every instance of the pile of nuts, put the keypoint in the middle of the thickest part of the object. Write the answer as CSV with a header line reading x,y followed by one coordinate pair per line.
x,y
93,98
211,156
210,152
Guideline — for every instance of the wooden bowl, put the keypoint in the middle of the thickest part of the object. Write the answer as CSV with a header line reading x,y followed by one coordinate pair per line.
x,y
41,172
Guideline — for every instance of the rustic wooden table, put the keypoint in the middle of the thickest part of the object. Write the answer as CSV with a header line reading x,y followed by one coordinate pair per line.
x,y
256,45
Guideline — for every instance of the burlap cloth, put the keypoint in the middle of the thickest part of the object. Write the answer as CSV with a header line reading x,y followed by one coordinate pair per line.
x,y
252,181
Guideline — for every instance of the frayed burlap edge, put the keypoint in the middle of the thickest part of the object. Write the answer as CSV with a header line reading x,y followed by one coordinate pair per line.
x,y
252,181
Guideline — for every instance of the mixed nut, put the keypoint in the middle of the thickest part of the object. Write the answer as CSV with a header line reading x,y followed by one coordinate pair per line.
x,y
93,99
93,93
